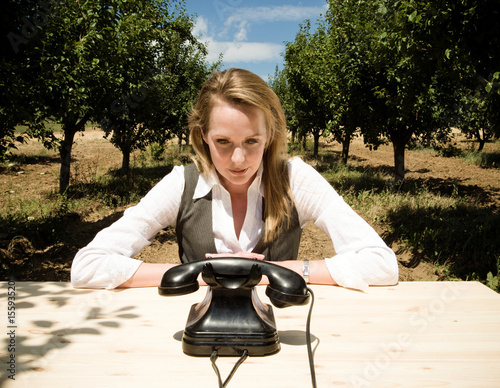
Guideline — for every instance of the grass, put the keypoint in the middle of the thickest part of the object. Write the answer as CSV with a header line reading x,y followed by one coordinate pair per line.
x,y
41,221
483,159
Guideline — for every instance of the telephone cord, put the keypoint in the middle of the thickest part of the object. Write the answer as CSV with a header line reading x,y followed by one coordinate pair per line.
x,y
308,339
214,357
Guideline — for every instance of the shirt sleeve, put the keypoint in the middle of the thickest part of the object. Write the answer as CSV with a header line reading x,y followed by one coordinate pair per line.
x,y
107,261
362,257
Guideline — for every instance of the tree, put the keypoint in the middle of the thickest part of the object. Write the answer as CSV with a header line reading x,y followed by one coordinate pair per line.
x,y
279,83
150,41
88,56
350,27
398,70
70,61
184,72
478,114
408,62
474,56
17,33
430,56
308,71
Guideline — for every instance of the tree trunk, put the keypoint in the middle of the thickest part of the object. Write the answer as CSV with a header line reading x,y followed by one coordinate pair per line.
x,y
65,153
481,140
125,170
179,142
346,142
316,135
399,138
399,161
126,162
481,145
69,129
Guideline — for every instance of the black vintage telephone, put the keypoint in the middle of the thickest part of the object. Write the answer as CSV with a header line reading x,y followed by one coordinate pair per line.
x,y
231,318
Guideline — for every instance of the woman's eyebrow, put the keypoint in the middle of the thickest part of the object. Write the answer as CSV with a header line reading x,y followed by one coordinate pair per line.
x,y
257,134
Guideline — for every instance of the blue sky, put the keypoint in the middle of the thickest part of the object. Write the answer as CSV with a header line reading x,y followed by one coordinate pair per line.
x,y
251,34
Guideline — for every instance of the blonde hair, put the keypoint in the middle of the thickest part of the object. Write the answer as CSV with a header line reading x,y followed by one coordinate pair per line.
x,y
237,86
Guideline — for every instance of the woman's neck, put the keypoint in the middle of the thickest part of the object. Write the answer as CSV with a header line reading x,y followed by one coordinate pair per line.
x,y
239,196
236,190
239,208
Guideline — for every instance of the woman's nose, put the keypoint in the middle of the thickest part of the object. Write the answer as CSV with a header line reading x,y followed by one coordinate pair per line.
x,y
238,156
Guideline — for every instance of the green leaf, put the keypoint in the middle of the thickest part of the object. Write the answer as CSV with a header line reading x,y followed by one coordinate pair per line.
x,y
414,17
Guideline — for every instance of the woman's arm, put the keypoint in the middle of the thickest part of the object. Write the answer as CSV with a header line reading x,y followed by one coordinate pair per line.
x,y
147,275
362,257
107,261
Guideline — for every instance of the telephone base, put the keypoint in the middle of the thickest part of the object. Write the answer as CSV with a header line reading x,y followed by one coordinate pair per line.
x,y
204,346
230,321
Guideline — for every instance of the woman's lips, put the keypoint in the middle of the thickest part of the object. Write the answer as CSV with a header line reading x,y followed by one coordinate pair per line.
x,y
239,172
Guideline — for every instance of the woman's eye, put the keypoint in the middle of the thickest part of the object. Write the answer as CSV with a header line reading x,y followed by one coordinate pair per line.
x,y
252,141
222,141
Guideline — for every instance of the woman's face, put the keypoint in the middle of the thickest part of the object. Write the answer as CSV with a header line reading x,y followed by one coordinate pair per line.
x,y
237,139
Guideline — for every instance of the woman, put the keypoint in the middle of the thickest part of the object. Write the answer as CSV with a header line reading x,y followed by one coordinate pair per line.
x,y
242,197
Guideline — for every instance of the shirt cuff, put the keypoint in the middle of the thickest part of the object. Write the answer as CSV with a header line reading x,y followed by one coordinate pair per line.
x,y
122,271
108,272
345,275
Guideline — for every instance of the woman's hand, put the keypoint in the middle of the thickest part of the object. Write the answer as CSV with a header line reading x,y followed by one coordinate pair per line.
x,y
318,271
244,255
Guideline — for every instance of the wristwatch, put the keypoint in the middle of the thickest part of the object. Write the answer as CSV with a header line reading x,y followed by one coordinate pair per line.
x,y
305,270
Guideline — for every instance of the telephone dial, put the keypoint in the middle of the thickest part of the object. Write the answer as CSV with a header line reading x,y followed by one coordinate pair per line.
x,y
231,319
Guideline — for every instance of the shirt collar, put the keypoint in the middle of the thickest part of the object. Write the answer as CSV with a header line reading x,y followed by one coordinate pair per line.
x,y
206,183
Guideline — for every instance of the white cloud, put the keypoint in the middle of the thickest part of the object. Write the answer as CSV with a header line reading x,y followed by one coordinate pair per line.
x,y
200,26
274,14
241,35
237,24
242,18
237,50
244,51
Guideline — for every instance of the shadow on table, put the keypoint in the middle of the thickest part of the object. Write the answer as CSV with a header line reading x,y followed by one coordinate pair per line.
x,y
49,334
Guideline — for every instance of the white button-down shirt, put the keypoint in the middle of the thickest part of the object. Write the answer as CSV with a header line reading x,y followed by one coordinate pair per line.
x,y
222,214
362,258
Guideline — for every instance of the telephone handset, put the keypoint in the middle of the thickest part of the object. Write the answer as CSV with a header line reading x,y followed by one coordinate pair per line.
x,y
231,319
286,287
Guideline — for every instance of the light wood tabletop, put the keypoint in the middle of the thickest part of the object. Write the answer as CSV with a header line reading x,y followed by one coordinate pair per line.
x,y
415,334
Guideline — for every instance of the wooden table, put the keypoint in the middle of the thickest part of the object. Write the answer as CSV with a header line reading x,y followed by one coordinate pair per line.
x,y
415,334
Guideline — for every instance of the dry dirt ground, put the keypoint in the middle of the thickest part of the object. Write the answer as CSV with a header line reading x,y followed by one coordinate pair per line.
x,y
35,176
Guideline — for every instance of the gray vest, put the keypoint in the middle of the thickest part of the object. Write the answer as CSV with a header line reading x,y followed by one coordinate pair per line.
x,y
195,233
